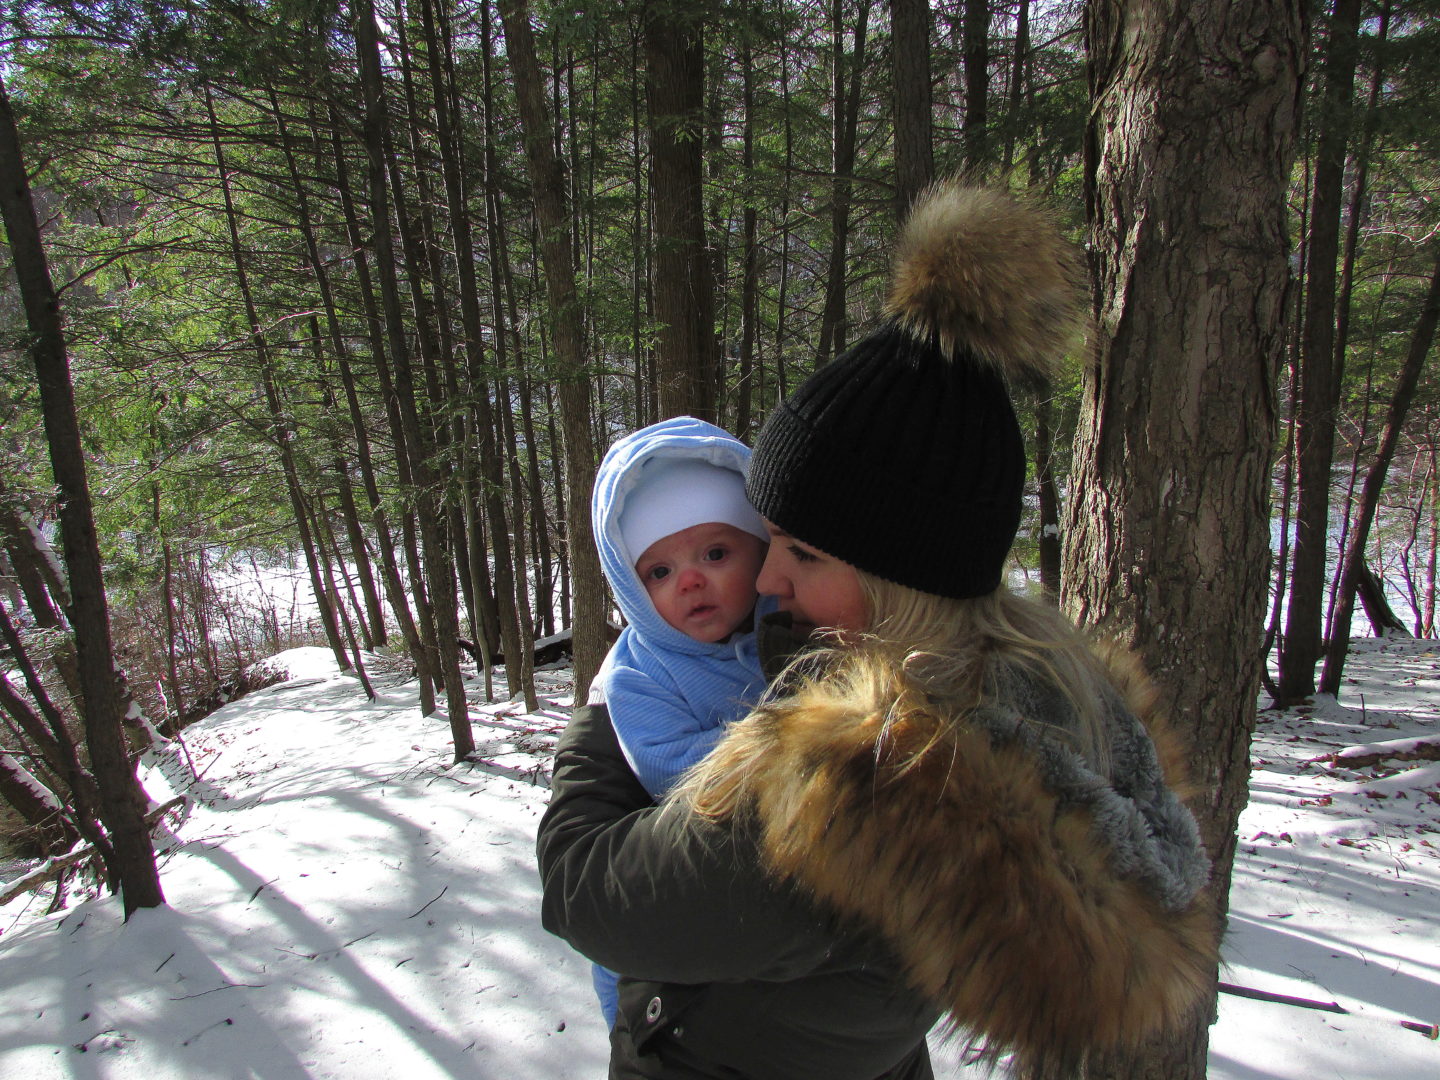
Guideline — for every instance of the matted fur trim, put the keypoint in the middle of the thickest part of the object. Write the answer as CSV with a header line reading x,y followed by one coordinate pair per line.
x,y
979,271
1142,697
1000,898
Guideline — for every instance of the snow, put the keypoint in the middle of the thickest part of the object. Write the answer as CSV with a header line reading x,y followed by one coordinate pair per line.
x,y
344,902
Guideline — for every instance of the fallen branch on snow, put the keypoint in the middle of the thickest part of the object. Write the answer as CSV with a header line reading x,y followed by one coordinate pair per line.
x,y
1430,1031
1423,748
54,867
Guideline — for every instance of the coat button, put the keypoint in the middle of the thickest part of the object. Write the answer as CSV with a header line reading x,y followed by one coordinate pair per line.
x,y
678,1031
652,1011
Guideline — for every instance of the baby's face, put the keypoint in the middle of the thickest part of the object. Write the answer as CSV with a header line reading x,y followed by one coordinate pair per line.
x,y
702,579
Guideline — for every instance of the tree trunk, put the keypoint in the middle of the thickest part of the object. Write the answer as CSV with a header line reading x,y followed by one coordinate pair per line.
x,y
547,181
122,801
745,383
1049,541
1319,376
278,428
443,647
34,564
375,631
491,468
46,829
787,171
910,63
845,124
1354,563
1019,85
384,538
1426,616
1359,191
1371,591
686,353
1188,154
325,537
519,665
50,739
977,85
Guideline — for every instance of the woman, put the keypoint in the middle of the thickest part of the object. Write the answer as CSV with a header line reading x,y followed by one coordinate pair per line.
x,y
950,807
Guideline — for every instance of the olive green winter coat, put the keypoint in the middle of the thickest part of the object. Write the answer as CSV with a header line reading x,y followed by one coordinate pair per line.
x,y
872,855
726,973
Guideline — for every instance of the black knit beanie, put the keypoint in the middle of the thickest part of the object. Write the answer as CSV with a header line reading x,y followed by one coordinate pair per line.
x,y
903,456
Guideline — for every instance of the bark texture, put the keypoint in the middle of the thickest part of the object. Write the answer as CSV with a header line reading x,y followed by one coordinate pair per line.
x,y
122,801
1189,148
910,60
686,352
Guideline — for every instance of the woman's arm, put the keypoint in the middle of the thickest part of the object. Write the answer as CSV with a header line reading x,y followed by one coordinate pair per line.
x,y
656,894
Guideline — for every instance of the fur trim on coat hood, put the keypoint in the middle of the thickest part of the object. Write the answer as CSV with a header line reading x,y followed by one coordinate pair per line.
x,y
1052,912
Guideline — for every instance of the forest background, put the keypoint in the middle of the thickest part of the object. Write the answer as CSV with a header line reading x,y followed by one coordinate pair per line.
x,y
366,288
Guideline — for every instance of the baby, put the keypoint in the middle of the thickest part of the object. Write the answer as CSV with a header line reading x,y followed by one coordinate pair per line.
x,y
681,547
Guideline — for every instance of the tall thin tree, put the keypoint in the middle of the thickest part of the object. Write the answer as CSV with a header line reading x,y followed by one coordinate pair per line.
x,y
1353,564
106,700
1319,373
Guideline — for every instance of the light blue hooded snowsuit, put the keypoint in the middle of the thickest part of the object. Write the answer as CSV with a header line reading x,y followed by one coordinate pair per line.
x,y
668,695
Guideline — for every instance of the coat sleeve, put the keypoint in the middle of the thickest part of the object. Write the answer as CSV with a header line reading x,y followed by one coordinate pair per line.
x,y
653,893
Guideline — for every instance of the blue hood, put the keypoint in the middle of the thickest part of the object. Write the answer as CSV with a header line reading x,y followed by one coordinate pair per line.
x,y
682,438
669,696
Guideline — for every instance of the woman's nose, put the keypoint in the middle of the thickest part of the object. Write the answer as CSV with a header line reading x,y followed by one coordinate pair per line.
x,y
770,580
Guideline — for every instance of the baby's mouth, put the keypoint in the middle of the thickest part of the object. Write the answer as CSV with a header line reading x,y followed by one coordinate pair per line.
x,y
700,610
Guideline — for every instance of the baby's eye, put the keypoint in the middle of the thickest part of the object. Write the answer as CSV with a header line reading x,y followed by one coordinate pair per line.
x,y
715,554
657,573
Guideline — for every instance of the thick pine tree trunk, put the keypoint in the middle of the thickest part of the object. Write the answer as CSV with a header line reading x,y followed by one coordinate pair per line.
x,y
910,61
686,351
122,801
1189,147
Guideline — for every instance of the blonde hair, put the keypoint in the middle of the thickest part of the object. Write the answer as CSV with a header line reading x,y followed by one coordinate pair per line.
x,y
929,654
959,651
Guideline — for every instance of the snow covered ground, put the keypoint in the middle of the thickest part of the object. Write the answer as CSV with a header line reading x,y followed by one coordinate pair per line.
x,y
344,903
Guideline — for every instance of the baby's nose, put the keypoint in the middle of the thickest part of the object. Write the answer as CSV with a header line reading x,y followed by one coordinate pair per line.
x,y
691,578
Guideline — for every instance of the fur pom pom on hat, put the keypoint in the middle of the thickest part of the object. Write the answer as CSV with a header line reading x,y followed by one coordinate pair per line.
x,y
903,456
